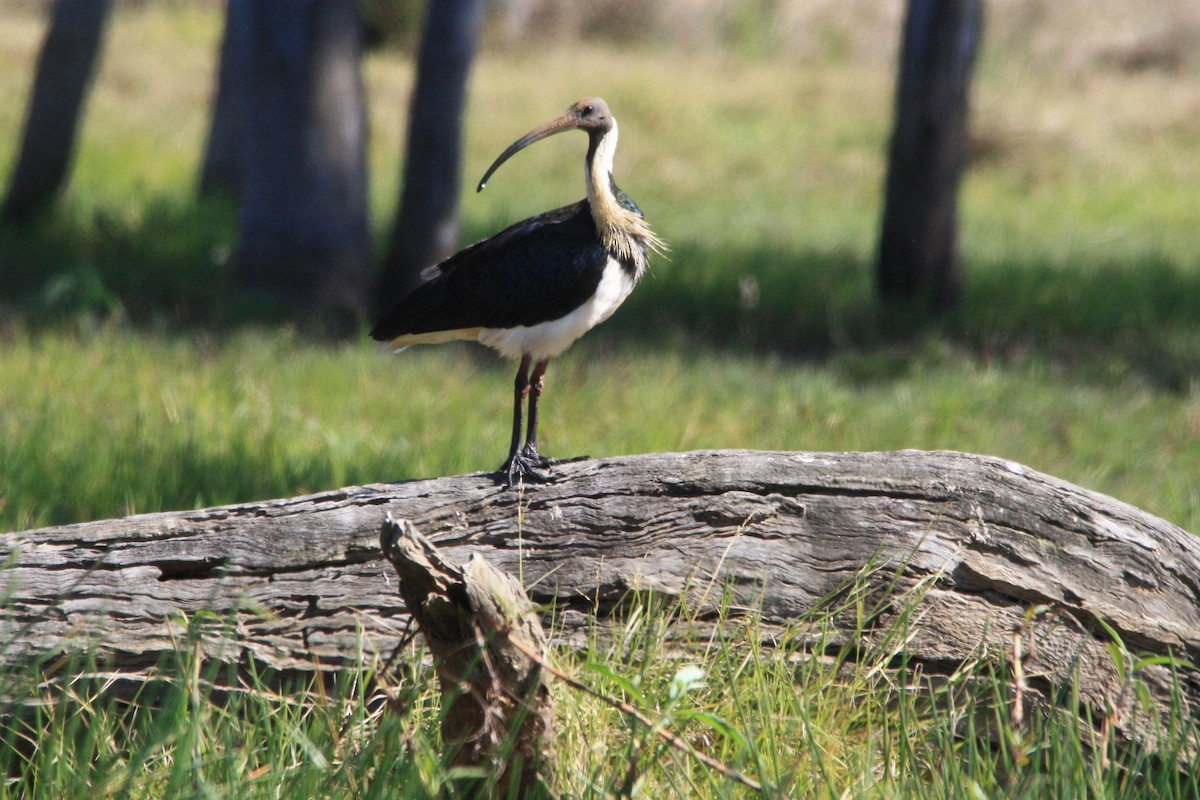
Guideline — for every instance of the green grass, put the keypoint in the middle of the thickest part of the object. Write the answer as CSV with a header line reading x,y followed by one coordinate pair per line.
x,y
853,721
133,379
105,421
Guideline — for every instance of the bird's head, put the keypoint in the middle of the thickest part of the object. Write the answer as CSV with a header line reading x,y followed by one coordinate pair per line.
x,y
590,114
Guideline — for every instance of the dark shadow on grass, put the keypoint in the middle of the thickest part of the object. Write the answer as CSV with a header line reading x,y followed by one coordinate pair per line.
x,y
167,265
1139,317
164,261
1101,321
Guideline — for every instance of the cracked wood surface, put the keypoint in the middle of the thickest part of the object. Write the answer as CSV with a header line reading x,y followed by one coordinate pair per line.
x,y
480,625
306,587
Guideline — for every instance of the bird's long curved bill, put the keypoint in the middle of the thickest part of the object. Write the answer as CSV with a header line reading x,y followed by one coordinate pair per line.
x,y
566,122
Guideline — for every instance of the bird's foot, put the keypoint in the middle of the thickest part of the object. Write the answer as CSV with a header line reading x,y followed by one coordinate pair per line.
x,y
527,463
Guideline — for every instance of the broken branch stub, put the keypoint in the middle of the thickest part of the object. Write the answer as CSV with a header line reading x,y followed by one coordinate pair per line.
x,y
478,624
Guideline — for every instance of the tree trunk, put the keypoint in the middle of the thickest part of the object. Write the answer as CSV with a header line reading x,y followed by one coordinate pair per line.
x,y
64,73
221,172
303,235
426,226
991,541
918,246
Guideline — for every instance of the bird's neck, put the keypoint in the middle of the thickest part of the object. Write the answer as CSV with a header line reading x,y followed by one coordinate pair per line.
x,y
623,232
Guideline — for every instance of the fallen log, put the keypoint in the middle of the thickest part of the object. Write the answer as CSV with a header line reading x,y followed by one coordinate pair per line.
x,y
1010,561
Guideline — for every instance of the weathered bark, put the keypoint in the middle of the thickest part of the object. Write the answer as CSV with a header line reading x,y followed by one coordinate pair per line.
x,y
918,245
64,73
990,540
426,226
480,626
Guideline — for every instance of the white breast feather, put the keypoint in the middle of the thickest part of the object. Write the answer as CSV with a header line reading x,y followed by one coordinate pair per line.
x,y
549,339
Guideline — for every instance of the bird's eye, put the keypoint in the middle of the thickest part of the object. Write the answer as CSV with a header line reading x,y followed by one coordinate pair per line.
x,y
589,110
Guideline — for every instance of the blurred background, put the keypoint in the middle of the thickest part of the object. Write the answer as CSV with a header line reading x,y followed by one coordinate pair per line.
x,y
183,304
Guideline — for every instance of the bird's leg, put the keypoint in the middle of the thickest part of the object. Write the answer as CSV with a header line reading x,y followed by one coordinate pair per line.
x,y
520,392
537,383
526,460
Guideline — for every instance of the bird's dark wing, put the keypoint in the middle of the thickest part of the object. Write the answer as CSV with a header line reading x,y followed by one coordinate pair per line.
x,y
534,271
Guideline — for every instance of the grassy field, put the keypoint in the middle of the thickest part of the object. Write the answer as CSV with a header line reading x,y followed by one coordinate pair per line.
x,y
132,380
1076,350
853,723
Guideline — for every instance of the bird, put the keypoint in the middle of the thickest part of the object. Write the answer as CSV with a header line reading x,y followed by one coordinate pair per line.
x,y
531,290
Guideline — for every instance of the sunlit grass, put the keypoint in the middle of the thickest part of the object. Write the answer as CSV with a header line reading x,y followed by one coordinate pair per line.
x,y
107,421
818,713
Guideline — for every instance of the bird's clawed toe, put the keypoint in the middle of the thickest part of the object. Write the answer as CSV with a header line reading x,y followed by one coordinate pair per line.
x,y
529,464
526,463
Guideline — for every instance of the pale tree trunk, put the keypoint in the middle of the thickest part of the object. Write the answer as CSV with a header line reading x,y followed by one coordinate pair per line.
x,y
918,246
303,231
1011,565
426,226
65,69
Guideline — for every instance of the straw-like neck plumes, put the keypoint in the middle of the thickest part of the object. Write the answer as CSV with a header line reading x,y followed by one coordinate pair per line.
x,y
623,231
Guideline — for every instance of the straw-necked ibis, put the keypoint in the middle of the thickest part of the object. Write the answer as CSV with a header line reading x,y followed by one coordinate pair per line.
x,y
534,288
